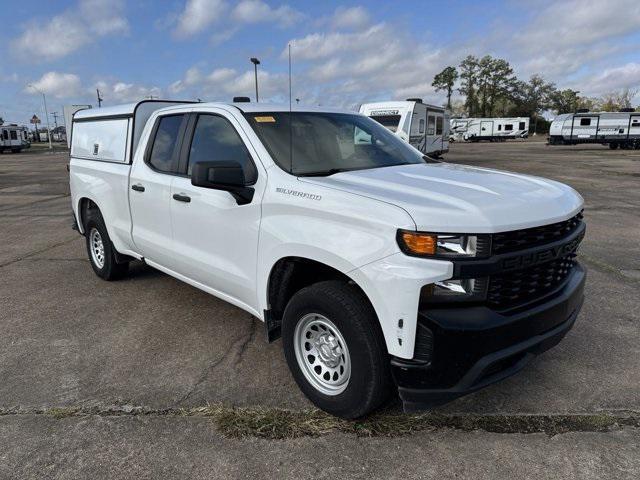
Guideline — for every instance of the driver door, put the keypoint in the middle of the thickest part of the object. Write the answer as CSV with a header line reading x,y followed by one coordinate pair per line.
x,y
215,238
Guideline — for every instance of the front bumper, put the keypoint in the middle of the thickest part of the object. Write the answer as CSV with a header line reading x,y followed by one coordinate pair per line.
x,y
476,346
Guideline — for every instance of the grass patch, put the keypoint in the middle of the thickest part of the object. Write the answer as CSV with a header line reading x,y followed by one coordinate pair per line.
x,y
274,423
62,412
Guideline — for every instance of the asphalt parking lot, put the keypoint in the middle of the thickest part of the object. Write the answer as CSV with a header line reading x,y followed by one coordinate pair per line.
x,y
125,378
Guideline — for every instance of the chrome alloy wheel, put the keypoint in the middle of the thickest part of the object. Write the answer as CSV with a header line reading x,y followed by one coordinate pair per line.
x,y
96,246
322,354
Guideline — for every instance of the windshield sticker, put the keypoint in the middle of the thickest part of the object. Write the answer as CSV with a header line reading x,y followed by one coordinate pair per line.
x,y
265,119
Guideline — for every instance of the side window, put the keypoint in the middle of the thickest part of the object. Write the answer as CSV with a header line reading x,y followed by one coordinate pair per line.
x,y
439,126
585,122
508,127
14,135
5,134
431,125
499,127
421,126
215,140
521,126
164,150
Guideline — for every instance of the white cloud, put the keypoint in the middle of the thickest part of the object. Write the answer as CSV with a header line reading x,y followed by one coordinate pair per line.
x,y
223,83
610,79
114,92
59,85
71,30
198,15
257,11
566,36
350,17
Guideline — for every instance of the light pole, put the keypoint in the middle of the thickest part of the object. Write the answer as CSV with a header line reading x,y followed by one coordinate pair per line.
x,y
255,62
46,113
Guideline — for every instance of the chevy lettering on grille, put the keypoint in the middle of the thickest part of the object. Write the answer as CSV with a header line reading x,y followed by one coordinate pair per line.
x,y
541,256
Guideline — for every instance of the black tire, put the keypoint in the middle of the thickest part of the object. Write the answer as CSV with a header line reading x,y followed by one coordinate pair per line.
x,y
613,146
369,384
110,268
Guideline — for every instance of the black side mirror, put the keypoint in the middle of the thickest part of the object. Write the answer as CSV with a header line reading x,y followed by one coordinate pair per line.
x,y
227,176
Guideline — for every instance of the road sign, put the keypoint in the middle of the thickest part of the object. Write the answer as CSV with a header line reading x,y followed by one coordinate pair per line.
x,y
35,119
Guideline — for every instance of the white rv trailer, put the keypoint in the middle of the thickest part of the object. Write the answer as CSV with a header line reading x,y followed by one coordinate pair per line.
x,y
617,129
424,126
490,129
13,138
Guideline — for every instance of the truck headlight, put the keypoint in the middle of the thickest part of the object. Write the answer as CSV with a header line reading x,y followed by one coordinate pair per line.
x,y
422,244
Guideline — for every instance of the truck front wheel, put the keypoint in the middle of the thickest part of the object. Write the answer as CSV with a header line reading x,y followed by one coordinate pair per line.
x,y
335,349
100,250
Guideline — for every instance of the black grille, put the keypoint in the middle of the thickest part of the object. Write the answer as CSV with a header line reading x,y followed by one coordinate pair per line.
x,y
518,287
514,241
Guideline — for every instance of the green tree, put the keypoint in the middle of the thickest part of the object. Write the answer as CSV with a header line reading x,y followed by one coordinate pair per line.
x,y
445,80
533,97
469,70
565,101
499,84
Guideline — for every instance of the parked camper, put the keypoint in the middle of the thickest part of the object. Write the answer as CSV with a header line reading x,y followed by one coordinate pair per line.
x,y
616,129
13,138
490,129
422,125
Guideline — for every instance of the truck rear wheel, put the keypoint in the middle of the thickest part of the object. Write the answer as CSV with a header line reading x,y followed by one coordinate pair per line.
x,y
100,250
335,349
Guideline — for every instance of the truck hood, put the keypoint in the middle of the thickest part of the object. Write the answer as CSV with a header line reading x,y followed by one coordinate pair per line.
x,y
449,198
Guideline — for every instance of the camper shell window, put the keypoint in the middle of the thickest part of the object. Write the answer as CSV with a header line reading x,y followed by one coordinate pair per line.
x,y
439,126
585,122
389,121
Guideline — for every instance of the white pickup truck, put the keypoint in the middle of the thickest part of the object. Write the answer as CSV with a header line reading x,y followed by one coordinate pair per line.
x,y
380,268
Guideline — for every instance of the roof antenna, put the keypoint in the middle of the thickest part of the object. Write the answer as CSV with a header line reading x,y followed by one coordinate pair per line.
x,y
290,119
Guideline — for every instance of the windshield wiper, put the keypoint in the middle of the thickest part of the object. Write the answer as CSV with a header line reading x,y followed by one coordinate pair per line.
x,y
325,173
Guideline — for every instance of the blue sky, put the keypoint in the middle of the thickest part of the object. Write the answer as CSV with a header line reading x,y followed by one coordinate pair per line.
x,y
344,53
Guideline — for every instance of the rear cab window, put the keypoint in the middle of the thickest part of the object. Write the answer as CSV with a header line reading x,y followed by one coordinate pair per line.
x,y
163,155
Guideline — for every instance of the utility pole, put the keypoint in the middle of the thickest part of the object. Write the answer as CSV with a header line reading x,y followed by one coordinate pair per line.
x,y
99,98
46,113
55,119
255,62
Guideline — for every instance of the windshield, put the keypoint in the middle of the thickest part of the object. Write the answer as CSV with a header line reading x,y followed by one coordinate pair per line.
x,y
327,143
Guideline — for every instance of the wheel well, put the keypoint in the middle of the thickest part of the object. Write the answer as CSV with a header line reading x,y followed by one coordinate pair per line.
x,y
290,275
84,207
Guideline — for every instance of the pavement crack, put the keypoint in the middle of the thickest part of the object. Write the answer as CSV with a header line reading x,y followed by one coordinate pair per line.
x,y
36,252
247,341
239,346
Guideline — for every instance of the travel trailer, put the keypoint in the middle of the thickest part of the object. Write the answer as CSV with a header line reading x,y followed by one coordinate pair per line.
x,y
422,125
616,129
13,138
490,129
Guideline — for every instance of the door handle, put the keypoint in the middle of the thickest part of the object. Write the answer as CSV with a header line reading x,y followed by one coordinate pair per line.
x,y
138,187
181,197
